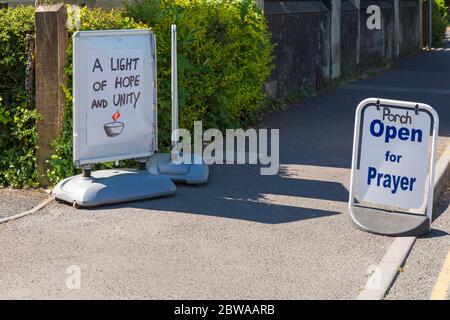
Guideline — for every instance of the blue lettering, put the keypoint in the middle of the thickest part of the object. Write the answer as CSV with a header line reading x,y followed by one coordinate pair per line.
x,y
391,133
396,180
390,181
372,174
380,128
403,134
418,133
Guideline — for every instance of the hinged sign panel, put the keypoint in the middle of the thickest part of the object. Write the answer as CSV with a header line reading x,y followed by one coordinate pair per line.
x,y
393,152
114,95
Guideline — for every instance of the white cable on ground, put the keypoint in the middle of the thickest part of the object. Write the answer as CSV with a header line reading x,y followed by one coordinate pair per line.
x,y
35,209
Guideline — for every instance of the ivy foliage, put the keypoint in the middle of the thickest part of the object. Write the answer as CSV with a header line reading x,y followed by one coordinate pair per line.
x,y
18,135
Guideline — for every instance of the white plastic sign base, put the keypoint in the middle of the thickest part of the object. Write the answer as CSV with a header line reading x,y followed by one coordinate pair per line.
x,y
114,117
161,164
392,170
112,186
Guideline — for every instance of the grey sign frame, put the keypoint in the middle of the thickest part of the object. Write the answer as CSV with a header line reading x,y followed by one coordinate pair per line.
x,y
145,146
392,222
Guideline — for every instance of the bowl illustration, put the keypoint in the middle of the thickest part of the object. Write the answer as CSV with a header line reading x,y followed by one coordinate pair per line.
x,y
113,129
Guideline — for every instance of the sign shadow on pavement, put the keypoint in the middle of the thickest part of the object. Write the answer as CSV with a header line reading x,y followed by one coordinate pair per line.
x,y
245,197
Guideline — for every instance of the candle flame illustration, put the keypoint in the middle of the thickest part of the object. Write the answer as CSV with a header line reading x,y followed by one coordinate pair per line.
x,y
116,116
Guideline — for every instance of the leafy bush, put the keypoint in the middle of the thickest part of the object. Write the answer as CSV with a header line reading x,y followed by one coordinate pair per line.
x,y
224,54
224,58
439,22
61,163
18,116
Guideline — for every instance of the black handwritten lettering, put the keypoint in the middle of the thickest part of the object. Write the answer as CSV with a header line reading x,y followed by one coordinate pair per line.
x,y
99,85
136,99
127,82
123,99
101,103
124,64
97,65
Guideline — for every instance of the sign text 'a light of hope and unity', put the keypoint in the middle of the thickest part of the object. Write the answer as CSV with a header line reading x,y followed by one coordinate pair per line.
x,y
115,86
114,95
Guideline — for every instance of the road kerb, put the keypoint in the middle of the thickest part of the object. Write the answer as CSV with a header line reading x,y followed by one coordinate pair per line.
x,y
395,257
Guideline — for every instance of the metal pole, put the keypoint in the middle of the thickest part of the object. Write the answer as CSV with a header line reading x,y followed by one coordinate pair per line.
x,y
174,85
155,98
430,18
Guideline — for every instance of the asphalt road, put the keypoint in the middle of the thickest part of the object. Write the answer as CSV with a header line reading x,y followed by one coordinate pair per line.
x,y
240,236
223,240
18,201
426,261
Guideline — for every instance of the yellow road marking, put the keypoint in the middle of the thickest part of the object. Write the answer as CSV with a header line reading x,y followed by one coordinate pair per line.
x,y
440,290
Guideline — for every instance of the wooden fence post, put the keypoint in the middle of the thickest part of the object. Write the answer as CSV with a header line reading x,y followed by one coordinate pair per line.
x,y
50,60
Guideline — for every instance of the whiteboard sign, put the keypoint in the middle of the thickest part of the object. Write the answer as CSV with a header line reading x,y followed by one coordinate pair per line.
x,y
114,95
393,152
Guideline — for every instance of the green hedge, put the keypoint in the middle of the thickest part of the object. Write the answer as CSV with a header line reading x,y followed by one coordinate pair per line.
x,y
17,115
439,22
224,57
224,53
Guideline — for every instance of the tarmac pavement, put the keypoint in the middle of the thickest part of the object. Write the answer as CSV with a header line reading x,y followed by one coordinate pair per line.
x,y
17,201
426,261
242,235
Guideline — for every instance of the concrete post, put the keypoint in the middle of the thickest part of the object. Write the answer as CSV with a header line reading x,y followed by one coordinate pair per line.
x,y
397,30
260,4
420,22
430,24
335,39
51,58
357,4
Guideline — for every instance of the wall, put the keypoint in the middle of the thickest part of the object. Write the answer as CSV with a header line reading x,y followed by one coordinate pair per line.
x,y
309,50
410,29
301,31
349,38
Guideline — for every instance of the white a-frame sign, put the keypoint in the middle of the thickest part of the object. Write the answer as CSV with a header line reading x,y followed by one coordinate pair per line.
x,y
391,190
115,118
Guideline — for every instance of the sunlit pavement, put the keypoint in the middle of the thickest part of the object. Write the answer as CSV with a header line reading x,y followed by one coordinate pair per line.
x,y
426,273
240,236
